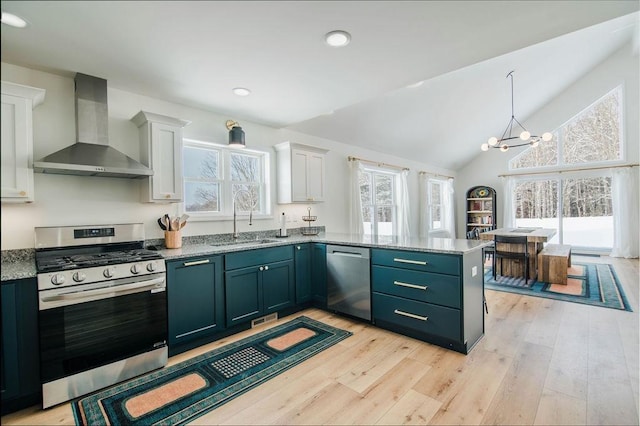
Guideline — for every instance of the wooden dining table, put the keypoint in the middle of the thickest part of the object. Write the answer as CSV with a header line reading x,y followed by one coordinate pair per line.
x,y
536,237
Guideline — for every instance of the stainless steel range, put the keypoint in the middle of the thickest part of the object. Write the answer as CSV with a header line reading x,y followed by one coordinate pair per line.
x,y
102,308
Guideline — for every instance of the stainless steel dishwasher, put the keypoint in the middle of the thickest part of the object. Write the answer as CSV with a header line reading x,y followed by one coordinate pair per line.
x,y
348,281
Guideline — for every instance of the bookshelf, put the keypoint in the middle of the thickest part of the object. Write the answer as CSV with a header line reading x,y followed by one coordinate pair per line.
x,y
481,209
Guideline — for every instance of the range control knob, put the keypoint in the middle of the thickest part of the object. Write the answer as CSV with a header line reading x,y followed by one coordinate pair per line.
x,y
135,269
108,273
151,267
57,279
79,277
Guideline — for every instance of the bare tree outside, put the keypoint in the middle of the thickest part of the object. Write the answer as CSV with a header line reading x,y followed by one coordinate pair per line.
x,y
591,136
203,180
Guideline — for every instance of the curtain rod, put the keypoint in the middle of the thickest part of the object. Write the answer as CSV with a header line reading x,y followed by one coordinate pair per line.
x,y
377,163
436,174
569,171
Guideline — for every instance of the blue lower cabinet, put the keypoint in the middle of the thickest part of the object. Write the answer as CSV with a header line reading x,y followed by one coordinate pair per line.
x,y
20,345
420,317
259,282
195,299
319,274
243,295
302,254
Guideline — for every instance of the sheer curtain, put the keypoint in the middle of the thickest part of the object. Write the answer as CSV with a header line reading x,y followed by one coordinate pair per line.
x,y
448,213
423,207
508,212
624,199
355,206
403,206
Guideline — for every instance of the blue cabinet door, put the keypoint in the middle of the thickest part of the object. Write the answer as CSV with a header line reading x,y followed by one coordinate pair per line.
x,y
278,286
195,298
10,370
20,346
319,274
243,295
302,255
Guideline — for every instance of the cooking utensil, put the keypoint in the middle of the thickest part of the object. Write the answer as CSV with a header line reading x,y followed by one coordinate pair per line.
x,y
161,224
183,220
167,222
175,224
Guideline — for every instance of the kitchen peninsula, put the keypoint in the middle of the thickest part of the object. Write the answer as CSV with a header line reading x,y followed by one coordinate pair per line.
x,y
430,289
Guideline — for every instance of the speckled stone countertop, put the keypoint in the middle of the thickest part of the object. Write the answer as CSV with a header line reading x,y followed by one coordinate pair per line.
x,y
434,245
17,264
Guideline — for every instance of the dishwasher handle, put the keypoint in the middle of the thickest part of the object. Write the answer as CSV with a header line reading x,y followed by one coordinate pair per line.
x,y
348,251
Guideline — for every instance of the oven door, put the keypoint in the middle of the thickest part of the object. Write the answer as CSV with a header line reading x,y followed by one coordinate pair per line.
x,y
88,326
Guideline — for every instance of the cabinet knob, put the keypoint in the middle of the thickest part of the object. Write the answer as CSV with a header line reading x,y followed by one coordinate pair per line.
x,y
261,268
167,196
298,247
23,193
266,268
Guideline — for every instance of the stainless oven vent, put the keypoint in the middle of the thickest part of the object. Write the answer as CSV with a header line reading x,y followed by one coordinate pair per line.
x,y
91,155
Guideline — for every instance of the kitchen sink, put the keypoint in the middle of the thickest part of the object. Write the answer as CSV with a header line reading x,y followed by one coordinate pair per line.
x,y
240,242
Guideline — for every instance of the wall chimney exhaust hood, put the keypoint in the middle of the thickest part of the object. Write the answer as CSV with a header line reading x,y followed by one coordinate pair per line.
x,y
91,155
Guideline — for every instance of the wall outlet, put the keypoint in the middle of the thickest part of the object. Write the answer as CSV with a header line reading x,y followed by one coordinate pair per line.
x,y
474,271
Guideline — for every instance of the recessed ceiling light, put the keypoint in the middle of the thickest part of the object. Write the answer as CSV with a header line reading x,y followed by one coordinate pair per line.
x,y
241,91
337,38
13,20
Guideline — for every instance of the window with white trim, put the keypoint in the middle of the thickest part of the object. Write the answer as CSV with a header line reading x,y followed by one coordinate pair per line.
x,y
435,197
378,195
592,136
216,176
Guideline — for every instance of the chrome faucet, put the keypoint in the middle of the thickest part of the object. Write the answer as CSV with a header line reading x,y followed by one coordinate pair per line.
x,y
235,222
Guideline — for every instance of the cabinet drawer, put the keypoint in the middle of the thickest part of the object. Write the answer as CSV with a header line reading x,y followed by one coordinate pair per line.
x,y
416,260
417,316
421,286
258,257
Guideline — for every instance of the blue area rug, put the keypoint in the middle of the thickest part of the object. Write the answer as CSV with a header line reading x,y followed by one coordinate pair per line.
x,y
185,391
589,283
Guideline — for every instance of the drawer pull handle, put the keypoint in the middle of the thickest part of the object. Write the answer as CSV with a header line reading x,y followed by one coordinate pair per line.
x,y
419,287
413,262
407,314
196,262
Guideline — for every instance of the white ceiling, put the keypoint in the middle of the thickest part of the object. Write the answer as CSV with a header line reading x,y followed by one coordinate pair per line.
x,y
194,53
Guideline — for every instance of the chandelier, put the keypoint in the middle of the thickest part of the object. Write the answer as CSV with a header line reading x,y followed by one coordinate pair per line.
x,y
525,137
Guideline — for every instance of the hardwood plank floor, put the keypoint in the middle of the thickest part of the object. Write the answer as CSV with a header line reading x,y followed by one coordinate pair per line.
x,y
540,362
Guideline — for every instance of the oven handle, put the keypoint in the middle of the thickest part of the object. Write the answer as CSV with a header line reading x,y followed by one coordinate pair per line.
x,y
111,291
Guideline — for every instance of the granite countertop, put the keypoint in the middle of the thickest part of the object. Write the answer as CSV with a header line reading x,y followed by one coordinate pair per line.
x,y
436,245
19,264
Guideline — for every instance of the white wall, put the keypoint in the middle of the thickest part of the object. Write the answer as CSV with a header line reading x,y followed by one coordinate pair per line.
x,y
620,68
78,200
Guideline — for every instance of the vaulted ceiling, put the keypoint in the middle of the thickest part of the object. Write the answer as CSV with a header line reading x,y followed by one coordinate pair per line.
x,y
195,52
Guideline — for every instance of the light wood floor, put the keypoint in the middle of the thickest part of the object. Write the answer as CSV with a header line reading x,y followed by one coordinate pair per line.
x,y
540,362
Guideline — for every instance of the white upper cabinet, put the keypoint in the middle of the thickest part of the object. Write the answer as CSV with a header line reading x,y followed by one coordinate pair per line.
x,y
301,173
18,102
161,150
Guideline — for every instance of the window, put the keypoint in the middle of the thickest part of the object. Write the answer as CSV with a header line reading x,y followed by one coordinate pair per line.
x,y
434,204
578,204
378,198
592,136
216,176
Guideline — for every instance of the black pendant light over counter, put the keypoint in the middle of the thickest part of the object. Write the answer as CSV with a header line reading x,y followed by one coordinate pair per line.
x,y
236,134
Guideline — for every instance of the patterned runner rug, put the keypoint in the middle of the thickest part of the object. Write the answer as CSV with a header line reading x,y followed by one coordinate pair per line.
x,y
185,391
588,283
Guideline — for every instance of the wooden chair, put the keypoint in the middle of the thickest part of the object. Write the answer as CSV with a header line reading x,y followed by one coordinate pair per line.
x,y
514,252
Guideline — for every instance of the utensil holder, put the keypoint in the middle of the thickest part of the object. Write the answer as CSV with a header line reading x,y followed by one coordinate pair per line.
x,y
173,239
